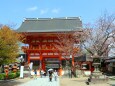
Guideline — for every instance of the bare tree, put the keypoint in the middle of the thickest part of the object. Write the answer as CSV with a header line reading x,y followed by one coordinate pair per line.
x,y
111,53
1,25
100,35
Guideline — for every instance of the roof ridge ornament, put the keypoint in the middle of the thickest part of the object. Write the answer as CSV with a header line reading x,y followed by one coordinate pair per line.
x,y
24,19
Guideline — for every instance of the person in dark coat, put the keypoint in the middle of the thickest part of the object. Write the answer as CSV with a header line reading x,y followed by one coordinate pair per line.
x,y
50,76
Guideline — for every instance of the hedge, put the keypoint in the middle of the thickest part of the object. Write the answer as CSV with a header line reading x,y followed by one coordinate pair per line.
x,y
10,75
2,76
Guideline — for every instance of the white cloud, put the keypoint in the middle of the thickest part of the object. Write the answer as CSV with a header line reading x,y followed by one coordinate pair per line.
x,y
43,11
55,11
47,10
34,8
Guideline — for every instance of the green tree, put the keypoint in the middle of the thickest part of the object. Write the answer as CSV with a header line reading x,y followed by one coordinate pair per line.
x,y
8,45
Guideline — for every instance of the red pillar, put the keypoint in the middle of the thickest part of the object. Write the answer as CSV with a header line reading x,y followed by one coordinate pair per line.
x,y
41,61
28,57
43,64
60,69
73,61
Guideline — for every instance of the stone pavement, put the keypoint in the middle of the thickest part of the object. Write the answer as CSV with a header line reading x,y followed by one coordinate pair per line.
x,y
62,81
41,82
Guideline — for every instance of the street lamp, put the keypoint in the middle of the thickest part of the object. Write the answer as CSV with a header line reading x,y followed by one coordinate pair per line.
x,y
21,60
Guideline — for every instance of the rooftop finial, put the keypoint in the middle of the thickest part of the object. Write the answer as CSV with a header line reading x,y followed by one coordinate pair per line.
x,y
24,19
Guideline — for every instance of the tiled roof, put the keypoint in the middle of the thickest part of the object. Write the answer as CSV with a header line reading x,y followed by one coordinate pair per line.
x,y
50,24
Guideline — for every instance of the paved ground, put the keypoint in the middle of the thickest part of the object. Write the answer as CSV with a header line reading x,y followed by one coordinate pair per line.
x,y
81,82
14,82
41,82
62,81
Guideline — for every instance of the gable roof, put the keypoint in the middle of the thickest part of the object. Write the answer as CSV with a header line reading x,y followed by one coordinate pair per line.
x,y
50,24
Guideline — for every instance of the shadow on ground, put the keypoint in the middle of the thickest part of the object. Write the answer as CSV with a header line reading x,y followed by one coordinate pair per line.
x,y
12,82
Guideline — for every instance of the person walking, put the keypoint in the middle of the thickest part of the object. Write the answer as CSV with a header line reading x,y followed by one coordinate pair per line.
x,y
44,73
35,74
69,73
55,75
72,73
50,76
41,73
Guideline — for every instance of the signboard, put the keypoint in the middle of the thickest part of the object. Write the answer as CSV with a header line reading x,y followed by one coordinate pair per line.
x,y
52,66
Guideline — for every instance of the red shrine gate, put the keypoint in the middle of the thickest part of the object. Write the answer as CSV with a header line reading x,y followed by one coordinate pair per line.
x,y
42,50
41,36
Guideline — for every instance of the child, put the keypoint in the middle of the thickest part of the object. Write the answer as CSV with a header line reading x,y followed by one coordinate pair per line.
x,y
35,74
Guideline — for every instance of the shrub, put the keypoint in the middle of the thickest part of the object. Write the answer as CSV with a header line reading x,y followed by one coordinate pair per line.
x,y
2,76
12,75
17,74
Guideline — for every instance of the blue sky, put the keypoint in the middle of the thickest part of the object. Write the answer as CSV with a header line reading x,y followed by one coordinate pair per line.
x,y
14,11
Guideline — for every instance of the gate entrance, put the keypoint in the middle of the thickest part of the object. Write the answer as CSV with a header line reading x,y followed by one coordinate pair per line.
x,y
53,63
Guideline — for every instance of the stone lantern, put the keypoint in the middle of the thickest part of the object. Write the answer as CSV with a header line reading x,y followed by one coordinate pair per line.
x,y
6,70
96,64
14,68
